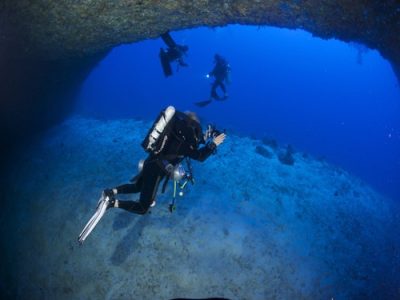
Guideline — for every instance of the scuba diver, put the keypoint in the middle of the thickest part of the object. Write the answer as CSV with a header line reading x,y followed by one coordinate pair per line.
x,y
173,137
174,52
221,73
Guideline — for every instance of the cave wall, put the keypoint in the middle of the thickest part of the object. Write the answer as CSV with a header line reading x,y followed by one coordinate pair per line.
x,y
37,93
48,47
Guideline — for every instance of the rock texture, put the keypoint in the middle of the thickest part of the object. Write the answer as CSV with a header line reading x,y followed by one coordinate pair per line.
x,y
36,32
250,227
55,29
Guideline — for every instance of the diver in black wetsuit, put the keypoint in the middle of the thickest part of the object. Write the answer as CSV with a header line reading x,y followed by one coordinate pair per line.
x,y
184,139
173,137
221,73
174,52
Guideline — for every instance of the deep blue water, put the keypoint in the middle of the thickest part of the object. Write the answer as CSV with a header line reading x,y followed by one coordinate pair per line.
x,y
329,98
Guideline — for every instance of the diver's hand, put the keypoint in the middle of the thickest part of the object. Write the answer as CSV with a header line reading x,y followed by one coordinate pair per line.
x,y
218,140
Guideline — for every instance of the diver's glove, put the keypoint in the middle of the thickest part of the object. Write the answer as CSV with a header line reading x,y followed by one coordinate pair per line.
x,y
217,140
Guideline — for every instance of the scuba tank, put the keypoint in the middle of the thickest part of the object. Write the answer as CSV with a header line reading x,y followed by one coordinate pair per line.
x,y
158,134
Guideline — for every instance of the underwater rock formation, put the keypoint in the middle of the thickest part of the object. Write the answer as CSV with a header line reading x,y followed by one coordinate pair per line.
x,y
54,29
286,156
38,93
250,228
263,151
270,142
36,32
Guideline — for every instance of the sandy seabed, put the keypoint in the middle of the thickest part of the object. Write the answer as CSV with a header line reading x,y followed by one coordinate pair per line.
x,y
249,228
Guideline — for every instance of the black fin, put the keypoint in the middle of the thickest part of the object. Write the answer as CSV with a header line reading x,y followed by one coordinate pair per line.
x,y
166,66
166,37
203,103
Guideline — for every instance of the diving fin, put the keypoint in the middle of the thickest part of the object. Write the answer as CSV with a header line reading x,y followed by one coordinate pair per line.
x,y
203,103
102,206
166,37
165,63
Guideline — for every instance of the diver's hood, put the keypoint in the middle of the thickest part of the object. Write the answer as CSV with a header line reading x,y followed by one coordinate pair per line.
x,y
189,129
197,131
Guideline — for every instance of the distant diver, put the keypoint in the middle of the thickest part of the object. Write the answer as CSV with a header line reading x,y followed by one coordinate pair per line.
x,y
174,52
174,137
221,73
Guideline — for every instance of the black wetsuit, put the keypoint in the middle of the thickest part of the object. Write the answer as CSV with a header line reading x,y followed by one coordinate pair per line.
x,y
220,72
174,52
183,141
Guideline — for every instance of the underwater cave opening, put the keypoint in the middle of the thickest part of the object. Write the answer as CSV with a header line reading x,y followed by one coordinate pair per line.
x,y
326,97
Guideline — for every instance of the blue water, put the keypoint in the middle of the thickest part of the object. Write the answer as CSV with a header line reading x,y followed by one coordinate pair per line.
x,y
329,98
